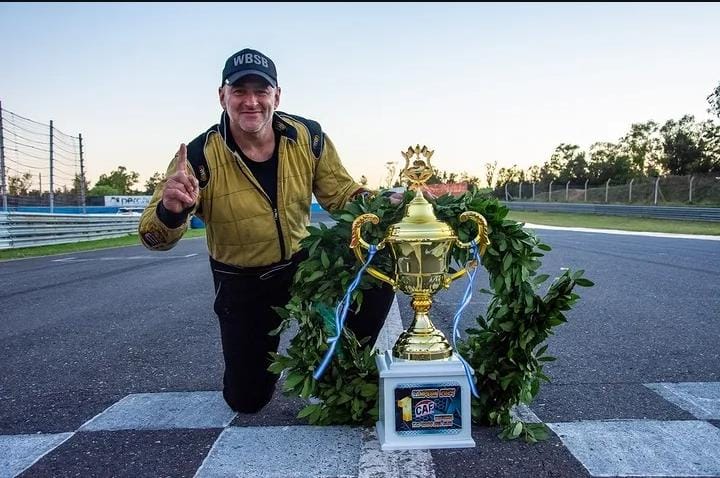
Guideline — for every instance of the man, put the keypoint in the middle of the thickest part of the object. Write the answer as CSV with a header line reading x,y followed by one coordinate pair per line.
x,y
250,178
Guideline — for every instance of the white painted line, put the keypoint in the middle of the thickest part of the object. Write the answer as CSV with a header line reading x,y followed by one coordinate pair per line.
x,y
669,235
287,452
391,330
20,452
643,447
375,463
701,399
167,410
127,258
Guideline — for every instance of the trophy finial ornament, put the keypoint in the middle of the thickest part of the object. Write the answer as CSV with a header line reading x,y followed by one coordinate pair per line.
x,y
419,169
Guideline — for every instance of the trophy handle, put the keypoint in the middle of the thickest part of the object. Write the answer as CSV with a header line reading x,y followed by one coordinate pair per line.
x,y
481,240
357,243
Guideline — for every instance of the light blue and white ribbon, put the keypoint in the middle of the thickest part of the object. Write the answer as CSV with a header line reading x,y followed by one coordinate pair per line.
x,y
340,314
456,319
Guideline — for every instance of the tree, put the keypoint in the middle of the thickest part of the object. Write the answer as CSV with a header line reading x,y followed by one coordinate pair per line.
x,y
513,174
472,181
121,180
576,168
533,174
643,147
567,162
77,183
682,152
490,169
608,162
103,190
442,177
714,100
154,181
709,144
19,185
391,168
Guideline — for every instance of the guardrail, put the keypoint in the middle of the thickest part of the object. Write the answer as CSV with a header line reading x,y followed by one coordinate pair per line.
x,y
40,229
660,212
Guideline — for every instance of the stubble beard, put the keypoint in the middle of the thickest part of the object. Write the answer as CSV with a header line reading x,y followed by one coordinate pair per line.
x,y
254,128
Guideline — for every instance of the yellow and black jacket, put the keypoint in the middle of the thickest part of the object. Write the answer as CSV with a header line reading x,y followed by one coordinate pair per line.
x,y
243,229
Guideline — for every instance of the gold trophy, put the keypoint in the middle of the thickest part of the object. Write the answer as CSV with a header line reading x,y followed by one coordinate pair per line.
x,y
421,245
423,384
424,389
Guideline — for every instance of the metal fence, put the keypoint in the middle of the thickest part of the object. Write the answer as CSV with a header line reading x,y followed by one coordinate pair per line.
x,y
39,160
700,189
35,202
41,229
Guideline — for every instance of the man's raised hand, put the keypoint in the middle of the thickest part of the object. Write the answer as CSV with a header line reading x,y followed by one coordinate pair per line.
x,y
181,189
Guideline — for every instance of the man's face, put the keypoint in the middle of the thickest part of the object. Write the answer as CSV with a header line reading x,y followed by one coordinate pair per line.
x,y
250,103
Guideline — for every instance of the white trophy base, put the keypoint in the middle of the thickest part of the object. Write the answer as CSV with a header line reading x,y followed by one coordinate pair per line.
x,y
423,404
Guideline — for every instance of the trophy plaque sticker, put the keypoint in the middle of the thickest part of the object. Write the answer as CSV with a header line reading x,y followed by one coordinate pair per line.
x,y
428,408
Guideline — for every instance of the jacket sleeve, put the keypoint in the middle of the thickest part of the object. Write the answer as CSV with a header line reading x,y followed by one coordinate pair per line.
x,y
159,228
332,185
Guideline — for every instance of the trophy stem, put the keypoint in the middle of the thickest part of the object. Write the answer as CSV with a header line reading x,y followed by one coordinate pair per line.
x,y
422,341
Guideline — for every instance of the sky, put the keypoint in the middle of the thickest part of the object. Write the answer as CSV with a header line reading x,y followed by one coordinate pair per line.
x,y
477,83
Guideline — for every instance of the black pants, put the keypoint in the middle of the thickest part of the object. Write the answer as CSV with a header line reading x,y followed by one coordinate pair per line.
x,y
243,303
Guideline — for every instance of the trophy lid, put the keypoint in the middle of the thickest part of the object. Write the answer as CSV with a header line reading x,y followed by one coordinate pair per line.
x,y
419,222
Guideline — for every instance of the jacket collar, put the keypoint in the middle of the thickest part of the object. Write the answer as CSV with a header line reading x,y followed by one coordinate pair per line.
x,y
279,125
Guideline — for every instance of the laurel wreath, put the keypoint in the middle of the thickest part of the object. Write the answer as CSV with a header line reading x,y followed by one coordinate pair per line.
x,y
505,347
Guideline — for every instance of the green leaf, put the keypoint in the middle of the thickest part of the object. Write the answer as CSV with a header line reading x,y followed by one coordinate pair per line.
x,y
498,282
311,251
315,275
307,411
517,429
507,261
529,335
582,282
506,326
369,390
325,259
502,311
292,380
344,398
540,431
505,381
537,280
276,367
307,387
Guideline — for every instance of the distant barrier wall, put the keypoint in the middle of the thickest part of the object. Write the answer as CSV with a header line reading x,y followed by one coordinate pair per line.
x,y
38,229
660,212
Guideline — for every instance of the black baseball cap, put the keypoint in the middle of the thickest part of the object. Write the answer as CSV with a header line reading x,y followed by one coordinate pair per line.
x,y
249,62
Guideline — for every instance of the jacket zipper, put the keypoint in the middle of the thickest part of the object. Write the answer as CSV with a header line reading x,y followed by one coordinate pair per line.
x,y
276,215
279,231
